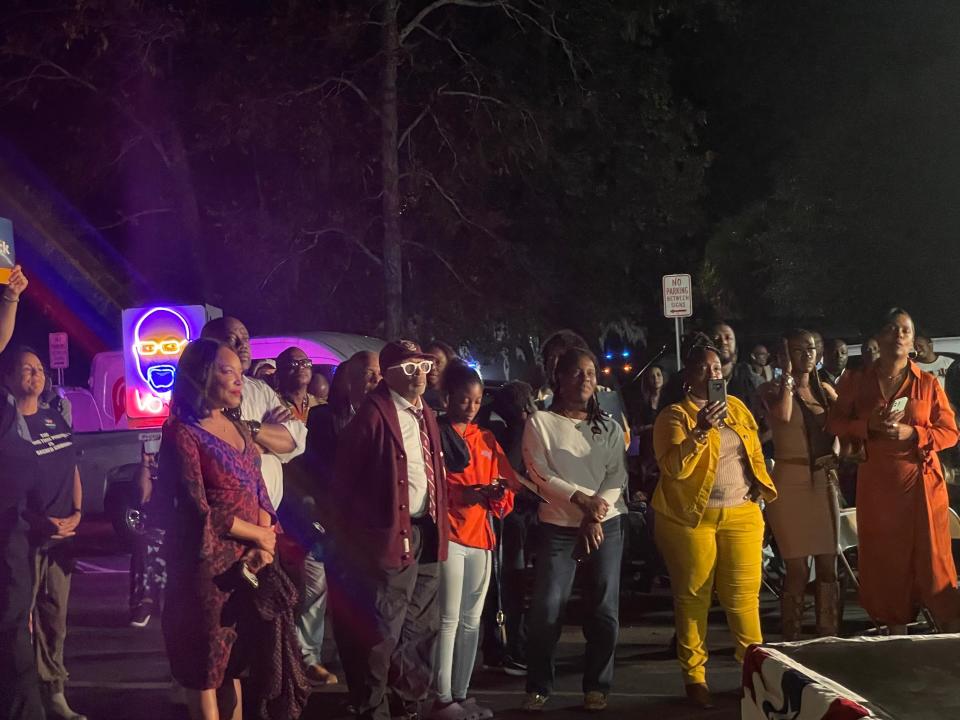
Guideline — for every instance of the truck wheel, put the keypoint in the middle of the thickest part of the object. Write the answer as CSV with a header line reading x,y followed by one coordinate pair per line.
x,y
121,508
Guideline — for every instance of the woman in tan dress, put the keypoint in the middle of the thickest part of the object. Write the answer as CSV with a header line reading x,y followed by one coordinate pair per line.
x,y
804,515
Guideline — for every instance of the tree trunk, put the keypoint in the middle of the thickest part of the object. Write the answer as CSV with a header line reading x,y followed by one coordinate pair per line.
x,y
392,256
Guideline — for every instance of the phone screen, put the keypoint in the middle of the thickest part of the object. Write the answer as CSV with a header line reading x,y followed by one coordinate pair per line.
x,y
898,405
716,391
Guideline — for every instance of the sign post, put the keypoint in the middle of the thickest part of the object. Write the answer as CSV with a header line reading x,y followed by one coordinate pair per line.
x,y
677,304
59,345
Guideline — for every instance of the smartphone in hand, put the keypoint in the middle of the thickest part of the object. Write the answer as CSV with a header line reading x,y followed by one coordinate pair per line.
x,y
897,406
716,391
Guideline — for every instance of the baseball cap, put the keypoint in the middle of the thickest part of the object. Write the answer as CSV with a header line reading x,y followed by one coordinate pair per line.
x,y
398,351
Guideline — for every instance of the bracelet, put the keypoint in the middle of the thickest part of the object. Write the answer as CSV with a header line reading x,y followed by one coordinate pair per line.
x,y
14,301
77,510
254,427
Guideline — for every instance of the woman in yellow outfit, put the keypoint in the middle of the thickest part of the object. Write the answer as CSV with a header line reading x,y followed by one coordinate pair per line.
x,y
708,525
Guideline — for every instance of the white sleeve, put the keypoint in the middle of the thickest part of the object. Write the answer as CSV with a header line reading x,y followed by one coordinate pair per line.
x,y
298,431
552,486
264,400
615,476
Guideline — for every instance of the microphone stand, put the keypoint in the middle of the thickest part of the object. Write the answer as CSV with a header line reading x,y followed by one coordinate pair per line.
x,y
651,361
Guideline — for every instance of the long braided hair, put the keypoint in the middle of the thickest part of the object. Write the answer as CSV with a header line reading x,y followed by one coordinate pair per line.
x,y
568,362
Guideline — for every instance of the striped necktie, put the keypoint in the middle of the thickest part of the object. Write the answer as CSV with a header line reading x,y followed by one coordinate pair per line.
x,y
427,463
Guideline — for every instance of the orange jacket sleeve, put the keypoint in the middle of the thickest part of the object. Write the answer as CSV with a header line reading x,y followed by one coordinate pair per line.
x,y
941,432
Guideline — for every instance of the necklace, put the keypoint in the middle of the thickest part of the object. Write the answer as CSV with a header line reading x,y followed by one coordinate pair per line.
x,y
567,413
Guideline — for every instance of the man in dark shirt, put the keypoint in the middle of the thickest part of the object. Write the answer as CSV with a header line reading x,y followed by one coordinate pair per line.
x,y
834,361
742,383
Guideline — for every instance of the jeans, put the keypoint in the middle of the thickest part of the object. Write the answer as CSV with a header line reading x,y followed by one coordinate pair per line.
x,y
555,571
464,577
313,608
724,552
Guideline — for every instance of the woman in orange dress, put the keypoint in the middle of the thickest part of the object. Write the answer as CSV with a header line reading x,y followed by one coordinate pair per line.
x,y
903,417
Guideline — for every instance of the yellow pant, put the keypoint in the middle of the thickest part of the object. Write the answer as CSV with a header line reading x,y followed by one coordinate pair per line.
x,y
723,551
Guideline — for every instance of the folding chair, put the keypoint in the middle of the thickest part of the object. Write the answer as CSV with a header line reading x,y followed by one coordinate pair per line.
x,y
954,524
847,539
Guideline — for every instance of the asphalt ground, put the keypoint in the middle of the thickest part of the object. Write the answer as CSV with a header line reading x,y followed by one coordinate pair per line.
x,y
121,673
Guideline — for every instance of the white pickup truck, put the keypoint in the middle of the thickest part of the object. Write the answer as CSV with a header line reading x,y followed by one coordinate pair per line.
x,y
109,449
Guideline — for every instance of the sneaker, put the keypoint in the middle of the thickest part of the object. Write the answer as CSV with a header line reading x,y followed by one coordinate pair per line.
x,y
318,675
57,708
482,712
594,701
514,668
534,702
140,616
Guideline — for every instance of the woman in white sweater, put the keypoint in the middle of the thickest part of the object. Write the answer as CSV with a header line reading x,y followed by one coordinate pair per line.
x,y
574,453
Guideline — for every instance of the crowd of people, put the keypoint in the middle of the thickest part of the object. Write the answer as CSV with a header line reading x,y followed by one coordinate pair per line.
x,y
396,499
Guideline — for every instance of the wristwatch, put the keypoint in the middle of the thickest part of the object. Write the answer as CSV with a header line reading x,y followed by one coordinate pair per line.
x,y
254,427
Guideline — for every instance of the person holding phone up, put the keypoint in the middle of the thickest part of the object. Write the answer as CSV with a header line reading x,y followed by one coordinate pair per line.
x,y
575,455
904,418
708,525
485,485
804,517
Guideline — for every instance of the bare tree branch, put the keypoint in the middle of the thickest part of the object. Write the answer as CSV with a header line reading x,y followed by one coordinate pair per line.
x,y
447,264
446,139
475,96
132,218
412,126
323,85
455,205
436,5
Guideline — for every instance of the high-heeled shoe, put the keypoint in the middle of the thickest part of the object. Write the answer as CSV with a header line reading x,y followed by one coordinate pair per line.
x,y
699,694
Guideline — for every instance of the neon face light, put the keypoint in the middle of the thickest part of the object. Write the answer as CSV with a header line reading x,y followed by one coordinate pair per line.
x,y
158,340
154,338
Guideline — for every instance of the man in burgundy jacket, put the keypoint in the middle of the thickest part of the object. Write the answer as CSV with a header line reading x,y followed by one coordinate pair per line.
x,y
387,513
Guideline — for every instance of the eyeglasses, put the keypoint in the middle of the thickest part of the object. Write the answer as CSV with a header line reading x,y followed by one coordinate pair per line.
x,y
410,367
170,346
300,364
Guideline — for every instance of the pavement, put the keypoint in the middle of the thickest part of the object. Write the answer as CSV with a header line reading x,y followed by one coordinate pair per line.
x,y
121,673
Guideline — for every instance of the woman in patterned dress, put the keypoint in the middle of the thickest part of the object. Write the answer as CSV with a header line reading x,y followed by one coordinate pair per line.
x,y
220,524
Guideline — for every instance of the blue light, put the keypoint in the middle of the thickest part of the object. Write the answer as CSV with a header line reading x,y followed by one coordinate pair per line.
x,y
626,353
609,356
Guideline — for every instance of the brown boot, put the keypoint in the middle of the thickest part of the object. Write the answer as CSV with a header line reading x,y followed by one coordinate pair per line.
x,y
828,608
791,616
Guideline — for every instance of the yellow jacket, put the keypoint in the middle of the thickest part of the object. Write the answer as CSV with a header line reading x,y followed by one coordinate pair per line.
x,y
688,468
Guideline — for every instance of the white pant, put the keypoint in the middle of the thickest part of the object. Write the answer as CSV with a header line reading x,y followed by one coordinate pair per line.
x,y
464,577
